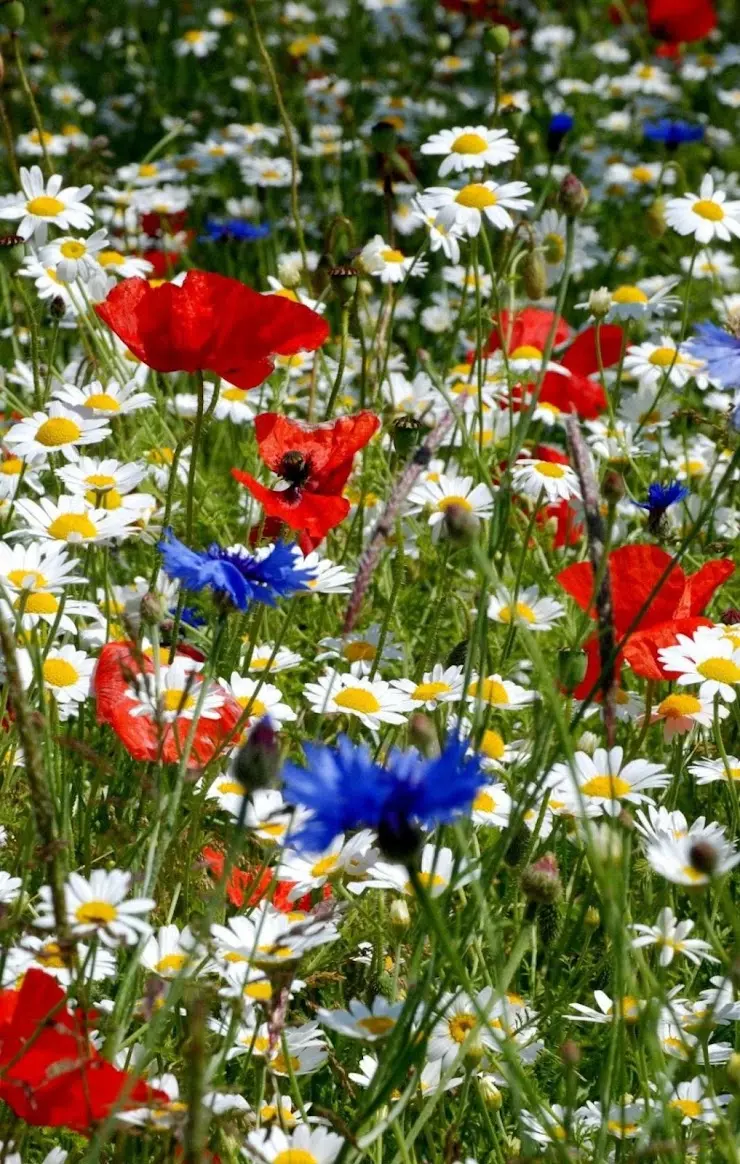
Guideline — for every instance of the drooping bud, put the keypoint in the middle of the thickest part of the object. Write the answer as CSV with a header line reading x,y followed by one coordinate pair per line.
x,y
541,881
534,274
256,762
461,524
599,302
497,39
571,667
406,433
384,137
572,196
655,219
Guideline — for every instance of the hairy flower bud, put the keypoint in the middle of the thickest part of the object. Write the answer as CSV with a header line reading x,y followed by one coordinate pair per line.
x,y
490,1094
461,525
613,486
534,275
588,743
592,918
572,196
541,881
256,762
570,1053
399,916
497,38
655,219
423,734
733,1070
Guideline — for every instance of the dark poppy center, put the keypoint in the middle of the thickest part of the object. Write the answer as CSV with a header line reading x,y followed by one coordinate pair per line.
x,y
294,467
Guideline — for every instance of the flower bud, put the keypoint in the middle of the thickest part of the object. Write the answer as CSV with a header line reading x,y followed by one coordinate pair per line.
x,y
541,881
399,915
733,1070
599,302
497,39
572,196
732,323
489,1093
256,762
151,610
534,275
588,743
731,616
57,307
461,525
655,219
571,668
384,137
13,15
474,1054
423,734
570,1053
405,433
613,486
344,282
289,272
592,918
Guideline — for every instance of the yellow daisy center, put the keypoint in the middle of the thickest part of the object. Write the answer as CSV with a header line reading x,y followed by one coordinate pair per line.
x,y
26,579
476,196
175,699
259,991
642,174
100,481
324,866
96,913
674,706
357,699
67,524
705,208
721,670
554,248
484,802
549,469
72,249
192,36
170,964
257,708
427,881
41,602
492,745
45,206
59,673
490,690
619,1129
50,955
610,787
359,652
234,394
469,143
11,467
103,401
628,293
391,255
424,691
454,499
110,258
526,352
460,1027
664,357
230,788
522,611
57,431
377,1025
687,1107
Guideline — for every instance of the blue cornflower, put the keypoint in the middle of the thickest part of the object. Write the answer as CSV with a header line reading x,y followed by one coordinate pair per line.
x,y
560,125
240,576
672,133
660,497
344,788
236,229
720,350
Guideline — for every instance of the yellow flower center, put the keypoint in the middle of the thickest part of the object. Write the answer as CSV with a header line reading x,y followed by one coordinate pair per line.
x,y
391,255
192,36
554,248
424,691
26,579
111,499
42,602
67,524
148,169
705,208
665,357
674,706
161,456
460,1027
610,787
231,788
234,394
476,196
619,1129
103,401
324,866
171,963
492,745
273,828
489,690
549,469
269,1112
454,499
257,708
100,481
96,913
37,137
290,1155
110,258
674,1044
484,802
12,467
650,417
71,249
44,206
357,699
259,991
522,611
687,1107
57,431
275,951
469,143
628,293
427,881
642,174
359,652
721,670
50,955
377,1025
175,699
59,673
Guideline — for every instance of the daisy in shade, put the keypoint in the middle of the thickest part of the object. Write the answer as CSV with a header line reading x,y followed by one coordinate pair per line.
x,y
693,858
360,650
438,686
470,147
359,1021
46,954
262,699
438,496
266,658
388,263
602,783
62,430
653,363
304,1145
373,701
707,658
73,520
538,614
466,209
693,1102
671,937
497,692
39,205
680,712
708,771
607,1009
552,481
439,870
706,215
96,399
99,907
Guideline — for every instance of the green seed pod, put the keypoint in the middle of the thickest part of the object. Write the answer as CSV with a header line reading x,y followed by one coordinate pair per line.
x,y
344,283
497,39
534,275
14,15
655,219
571,666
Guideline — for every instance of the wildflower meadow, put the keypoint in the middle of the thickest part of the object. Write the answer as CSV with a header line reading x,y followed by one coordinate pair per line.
x,y
369,612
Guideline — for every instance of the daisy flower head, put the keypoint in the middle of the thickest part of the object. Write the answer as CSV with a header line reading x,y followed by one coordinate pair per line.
x,y
40,204
468,207
707,658
470,147
446,492
709,771
75,258
61,430
195,42
655,363
322,575
438,686
602,783
548,480
671,937
439,869
172,691
388,263
171,952
502,694
266,658
103,400
707,215
72,520
66,673
526,607
101,480
681,712
303,1145
693,858
100,907
631,301
373,701
368,1023
264,700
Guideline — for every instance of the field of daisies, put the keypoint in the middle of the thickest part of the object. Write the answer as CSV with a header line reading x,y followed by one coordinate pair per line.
x,y
369,613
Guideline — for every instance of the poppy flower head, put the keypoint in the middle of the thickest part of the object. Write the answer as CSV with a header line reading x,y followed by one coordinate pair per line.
x,y
675,21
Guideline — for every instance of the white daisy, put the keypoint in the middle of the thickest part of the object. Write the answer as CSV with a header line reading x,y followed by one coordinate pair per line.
x,y
388,263
554,481
706,215
653,363
362,1022
325,576
262,699
170,952
360,650
708,771
671,937
466,208
680,712
262,660
66,672
470,147
304,1145
72,520
707,658
439,870
438,686
75,258
99,906
373,701
195,42
602,783
537,614
96,399
496,692
61,430
172,692
440,495
41,204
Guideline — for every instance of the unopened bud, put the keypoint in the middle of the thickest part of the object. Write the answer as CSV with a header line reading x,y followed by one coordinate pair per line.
x,y
599,302
384,137
405,433
399,915
289,273
534,275
733,1070
572,196
461,524
474,1054
703,857
256,763
570,1053
151,610
497,39
732,323
541,881
57,307
731,616
344,283
588,743
592,918
655,219
613,486
423,734
571,667
13,15
489,1093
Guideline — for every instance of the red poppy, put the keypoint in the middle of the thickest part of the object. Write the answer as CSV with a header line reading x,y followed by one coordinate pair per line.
x,y
681,20
634,572
117,673
480,10
51,1075
211,324
315,460
241,881
572,389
